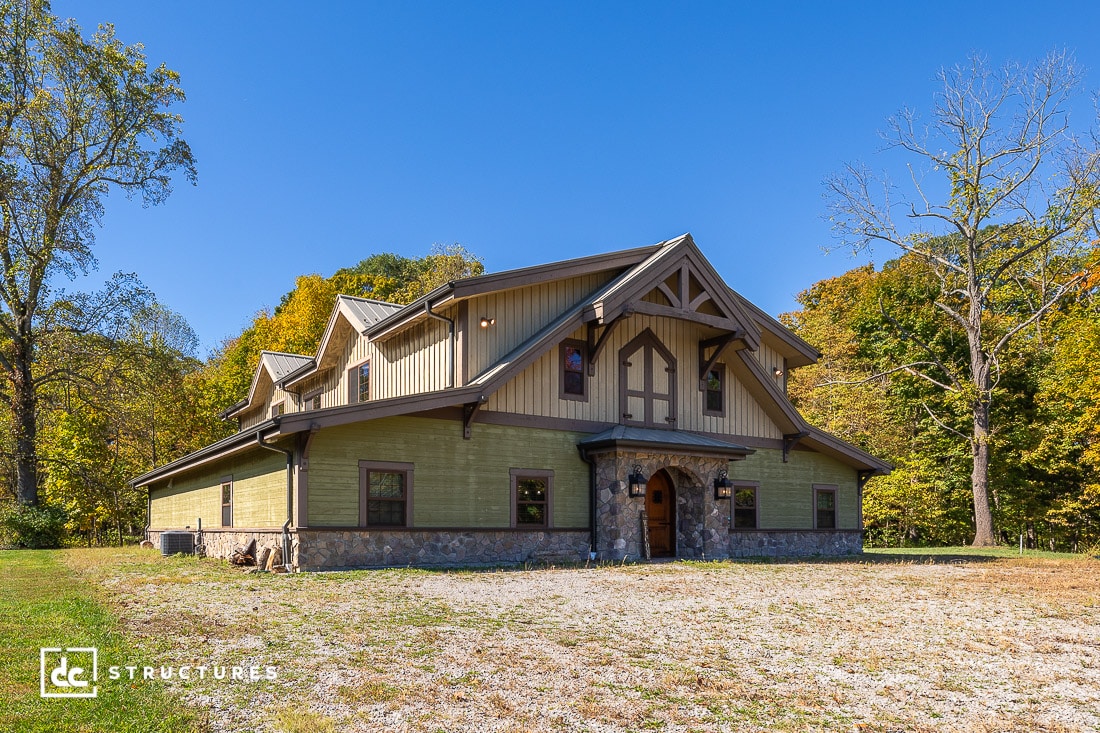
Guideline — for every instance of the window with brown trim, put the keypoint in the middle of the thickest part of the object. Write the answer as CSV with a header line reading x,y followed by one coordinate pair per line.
x,y
745,505
312,400
227,501
359,383
714,396
385,494
573,359
531,491
824,507
278,409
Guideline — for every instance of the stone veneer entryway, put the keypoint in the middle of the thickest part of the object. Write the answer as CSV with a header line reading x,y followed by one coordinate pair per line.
x,y
702,524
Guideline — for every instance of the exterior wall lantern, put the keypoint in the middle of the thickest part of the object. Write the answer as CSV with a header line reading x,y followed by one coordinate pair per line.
x,y
723,487
636,481
485,322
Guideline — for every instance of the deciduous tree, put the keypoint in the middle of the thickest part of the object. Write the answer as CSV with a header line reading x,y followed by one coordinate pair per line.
x,y
1000,204
78,117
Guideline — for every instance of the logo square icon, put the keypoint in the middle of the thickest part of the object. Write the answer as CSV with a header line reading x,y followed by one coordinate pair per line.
x,y
68,672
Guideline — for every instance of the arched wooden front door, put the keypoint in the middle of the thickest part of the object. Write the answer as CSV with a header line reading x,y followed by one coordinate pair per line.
x,y
660,508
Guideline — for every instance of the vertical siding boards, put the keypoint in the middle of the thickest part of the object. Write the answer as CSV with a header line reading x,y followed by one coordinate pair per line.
x,y
786,496
458,483
521,313
259,495
535,390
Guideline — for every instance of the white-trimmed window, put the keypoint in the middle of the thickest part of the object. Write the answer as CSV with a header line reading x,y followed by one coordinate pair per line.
x,y
531,491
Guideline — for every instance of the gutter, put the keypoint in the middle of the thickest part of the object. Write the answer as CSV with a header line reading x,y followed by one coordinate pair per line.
x,y
592,551
289,495
450,341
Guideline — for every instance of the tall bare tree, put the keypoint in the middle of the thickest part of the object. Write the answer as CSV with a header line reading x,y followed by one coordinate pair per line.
x,y
78,117
1001,197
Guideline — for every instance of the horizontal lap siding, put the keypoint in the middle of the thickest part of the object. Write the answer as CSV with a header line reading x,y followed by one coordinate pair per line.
x,y
456,482
785,495
535,390
259,494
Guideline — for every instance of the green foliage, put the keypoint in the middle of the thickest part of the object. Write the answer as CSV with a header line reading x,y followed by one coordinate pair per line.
x,y
298,323
31,527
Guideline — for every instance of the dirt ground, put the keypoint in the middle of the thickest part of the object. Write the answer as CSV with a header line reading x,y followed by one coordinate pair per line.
x,y
982,645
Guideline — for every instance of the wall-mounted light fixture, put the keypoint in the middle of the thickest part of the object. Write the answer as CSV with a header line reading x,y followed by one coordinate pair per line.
x,y
777,372
636,481
723,487
486,322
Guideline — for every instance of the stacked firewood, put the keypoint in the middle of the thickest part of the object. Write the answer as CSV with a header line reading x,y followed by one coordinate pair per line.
x,y
244,555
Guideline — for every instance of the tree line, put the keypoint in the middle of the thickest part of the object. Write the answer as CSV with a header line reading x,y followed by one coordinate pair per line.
x,y
968,360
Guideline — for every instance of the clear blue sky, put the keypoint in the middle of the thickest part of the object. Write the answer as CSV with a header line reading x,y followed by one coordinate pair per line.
x,y
528,132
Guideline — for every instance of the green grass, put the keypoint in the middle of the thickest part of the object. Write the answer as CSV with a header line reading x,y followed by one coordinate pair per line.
x,y
966,551
44,604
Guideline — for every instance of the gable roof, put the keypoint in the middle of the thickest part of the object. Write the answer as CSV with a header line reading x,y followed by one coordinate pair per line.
x,y
358,313
276,365
470,287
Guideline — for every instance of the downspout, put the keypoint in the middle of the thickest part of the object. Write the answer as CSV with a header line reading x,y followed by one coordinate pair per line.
x,y
450,342
289,496
591,502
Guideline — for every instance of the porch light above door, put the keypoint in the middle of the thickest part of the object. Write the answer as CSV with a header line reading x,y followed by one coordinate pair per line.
x,y
723,487
636,481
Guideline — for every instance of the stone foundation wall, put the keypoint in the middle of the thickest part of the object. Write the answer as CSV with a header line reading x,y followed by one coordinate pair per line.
x,y
332,549
795,543
221,543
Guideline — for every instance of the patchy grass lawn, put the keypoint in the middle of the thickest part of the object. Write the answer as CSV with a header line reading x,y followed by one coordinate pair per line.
x,y
892,643
44,604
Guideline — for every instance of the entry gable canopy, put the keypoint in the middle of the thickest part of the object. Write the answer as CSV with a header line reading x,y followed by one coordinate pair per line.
x,y
677,281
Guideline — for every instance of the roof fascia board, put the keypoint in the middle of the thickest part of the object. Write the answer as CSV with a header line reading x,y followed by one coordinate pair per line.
x,y
225,446
777,329
509,279
296,422
839,448
337,311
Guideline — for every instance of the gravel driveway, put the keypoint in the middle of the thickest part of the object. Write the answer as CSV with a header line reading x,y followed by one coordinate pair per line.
x,y
983,646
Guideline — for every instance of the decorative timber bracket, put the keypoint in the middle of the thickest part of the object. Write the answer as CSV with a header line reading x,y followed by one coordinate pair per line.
x,y
469,412
597,345
719,343
863,476
790,440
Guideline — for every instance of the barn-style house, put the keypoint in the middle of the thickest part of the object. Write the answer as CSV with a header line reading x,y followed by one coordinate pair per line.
x,y
627,404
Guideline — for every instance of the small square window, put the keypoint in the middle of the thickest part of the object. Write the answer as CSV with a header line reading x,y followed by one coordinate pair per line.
x,y
312,401
531,491
384,490
278,409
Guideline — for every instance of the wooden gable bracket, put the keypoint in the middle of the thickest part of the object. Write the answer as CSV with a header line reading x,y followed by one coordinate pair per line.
x,y
719,343
863,476
596,346
790,440
469,411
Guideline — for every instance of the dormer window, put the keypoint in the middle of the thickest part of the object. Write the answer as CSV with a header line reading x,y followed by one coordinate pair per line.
x,y
278,409
359,383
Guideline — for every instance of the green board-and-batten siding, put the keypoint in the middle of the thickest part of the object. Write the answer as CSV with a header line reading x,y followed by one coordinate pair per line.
x,y
259,494
456,482
785,497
